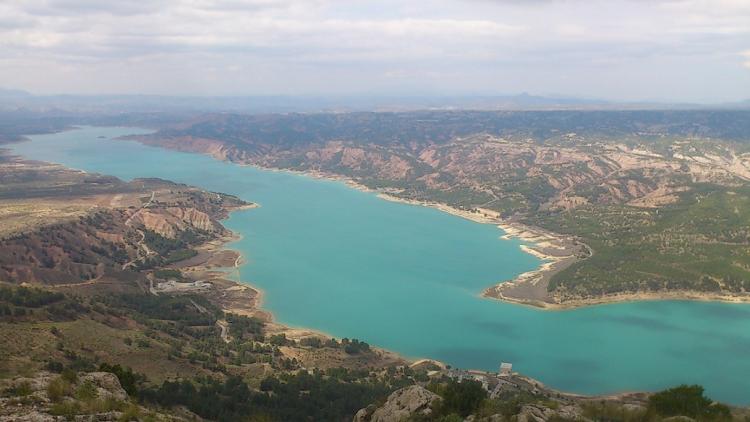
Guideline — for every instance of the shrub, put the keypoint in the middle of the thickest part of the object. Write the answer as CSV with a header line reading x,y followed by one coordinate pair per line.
x,y
69,375
279,340
23,389
613,412
131,413
58,388
313,342
687,400
54,366
86,391
68,409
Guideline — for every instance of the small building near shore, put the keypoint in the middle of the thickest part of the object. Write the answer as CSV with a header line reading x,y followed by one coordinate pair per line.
x,y
506,369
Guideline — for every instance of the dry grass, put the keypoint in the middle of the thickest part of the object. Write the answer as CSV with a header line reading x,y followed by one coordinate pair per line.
x,y
22,216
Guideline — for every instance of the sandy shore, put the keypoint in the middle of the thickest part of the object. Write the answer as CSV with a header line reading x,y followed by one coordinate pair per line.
x,y
530,288
682,295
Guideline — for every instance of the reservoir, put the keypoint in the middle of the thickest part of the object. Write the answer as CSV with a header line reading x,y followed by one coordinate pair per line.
x,y
408,278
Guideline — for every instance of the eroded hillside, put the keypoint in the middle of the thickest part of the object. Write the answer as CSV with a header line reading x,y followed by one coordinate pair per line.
x,y
627,184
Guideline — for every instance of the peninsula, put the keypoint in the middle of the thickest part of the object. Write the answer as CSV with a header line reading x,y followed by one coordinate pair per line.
x,y
622,205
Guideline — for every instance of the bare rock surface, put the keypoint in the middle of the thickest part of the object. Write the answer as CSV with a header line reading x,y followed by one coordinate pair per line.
x,y
401,404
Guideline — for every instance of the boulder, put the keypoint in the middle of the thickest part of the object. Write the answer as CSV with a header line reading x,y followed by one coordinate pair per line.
x,y
107,385
540,413
401,404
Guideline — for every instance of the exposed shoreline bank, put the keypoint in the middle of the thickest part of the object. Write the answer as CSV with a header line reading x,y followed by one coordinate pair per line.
x,y
557,251
217,262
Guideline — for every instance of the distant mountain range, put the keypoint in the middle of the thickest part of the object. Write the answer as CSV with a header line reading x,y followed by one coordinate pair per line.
x,y
14,99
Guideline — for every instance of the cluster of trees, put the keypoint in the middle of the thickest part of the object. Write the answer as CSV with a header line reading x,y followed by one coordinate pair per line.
x,y
180,309
170,250
168,273
28,297
164,246
354,346
459,399
463,398
690,401
242,327
351,347
160,244
19,302
296,397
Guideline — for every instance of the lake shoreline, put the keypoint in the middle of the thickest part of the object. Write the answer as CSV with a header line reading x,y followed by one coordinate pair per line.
x,y
558,252
242,297
529,331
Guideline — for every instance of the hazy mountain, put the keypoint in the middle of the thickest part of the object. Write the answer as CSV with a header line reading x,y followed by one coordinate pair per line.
x,y
18,99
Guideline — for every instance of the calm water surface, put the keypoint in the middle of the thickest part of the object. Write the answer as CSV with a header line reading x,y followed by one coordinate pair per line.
x,y
408,278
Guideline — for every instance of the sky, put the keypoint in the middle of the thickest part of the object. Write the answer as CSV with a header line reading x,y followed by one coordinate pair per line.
x,y
621,50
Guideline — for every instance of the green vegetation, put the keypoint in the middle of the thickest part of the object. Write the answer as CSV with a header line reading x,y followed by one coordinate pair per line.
x,y
219,380
19,303
186,310
701,243
165,336
166,274
287,131
171,250
21,390
687,400
28,297
462,398
354,346
70,397
128,379
242,327
301,396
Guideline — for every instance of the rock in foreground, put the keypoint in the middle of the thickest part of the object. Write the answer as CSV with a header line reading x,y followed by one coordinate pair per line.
x,y
403,403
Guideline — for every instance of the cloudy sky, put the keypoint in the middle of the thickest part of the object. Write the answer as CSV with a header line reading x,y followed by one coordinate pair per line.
x,y
668,50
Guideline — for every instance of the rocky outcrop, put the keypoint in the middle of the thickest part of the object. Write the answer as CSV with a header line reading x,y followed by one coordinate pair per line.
x,y
28,398
107,385
539,413
403,403
169,221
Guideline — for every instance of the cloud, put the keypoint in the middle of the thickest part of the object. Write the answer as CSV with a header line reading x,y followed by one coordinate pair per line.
x,y
337,45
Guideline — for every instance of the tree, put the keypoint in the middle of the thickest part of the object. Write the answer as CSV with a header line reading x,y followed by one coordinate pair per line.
x,y
463,397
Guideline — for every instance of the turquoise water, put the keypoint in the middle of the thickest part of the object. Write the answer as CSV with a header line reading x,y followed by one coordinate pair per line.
x,y
407,278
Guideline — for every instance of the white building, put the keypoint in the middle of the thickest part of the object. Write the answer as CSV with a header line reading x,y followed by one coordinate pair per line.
x,y
506,369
